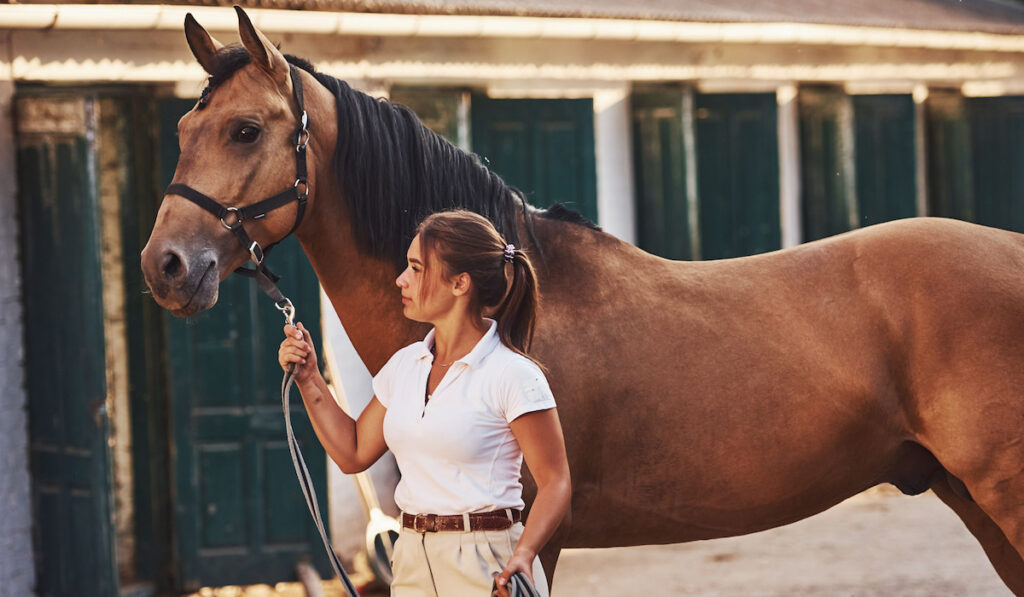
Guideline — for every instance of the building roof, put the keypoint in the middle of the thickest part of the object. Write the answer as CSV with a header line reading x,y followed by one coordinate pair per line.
x,y
990,16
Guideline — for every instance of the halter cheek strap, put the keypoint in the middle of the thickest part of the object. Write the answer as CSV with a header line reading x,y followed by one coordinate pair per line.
x,y
234,218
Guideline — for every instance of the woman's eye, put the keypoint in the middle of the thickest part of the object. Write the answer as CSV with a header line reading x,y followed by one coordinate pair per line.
x,y
247,134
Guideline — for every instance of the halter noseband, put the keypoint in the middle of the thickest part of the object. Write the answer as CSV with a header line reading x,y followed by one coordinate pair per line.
x,y
233,218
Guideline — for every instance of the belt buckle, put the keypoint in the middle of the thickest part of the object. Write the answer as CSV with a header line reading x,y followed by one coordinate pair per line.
x,y
425,523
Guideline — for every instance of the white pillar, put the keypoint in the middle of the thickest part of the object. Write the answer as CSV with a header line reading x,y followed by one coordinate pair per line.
x,y
616,204
347,520
789,166
17,570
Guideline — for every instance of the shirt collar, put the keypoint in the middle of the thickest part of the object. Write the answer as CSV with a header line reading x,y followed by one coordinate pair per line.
x,y
484,346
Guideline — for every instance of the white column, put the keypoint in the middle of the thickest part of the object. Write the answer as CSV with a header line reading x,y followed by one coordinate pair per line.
x,y
347,520
789,166
616,204
17,570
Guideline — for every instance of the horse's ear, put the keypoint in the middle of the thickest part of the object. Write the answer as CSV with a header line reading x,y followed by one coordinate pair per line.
x,y
263,53
204,47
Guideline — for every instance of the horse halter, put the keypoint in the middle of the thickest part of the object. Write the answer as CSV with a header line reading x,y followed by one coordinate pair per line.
x,y
233,218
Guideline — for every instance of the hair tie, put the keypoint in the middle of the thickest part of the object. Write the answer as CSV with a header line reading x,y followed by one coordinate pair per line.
x,y
510,253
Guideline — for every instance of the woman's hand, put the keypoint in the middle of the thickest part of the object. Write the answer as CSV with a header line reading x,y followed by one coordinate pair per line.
x,y
519,562
297,348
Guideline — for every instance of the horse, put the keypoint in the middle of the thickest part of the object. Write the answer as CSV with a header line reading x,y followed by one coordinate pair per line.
x,y
698,399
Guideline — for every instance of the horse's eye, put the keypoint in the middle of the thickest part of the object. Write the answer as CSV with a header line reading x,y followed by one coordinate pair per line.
x,y
247,134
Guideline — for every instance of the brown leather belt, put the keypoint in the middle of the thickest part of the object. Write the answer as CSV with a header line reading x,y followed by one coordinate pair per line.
x,y
483,521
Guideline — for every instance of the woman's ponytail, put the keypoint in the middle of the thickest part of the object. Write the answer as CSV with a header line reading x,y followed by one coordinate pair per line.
x,y
517,312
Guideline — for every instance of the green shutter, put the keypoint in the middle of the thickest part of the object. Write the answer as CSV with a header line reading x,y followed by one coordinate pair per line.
x,y
544,147
737,174
886,158
663,225
997,131
825,186
64,342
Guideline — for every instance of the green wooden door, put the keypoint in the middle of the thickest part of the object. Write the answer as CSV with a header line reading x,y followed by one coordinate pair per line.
x,y
65,359
240,515
737,174
950,179
886,158
663,220
997,131
826,201
544,147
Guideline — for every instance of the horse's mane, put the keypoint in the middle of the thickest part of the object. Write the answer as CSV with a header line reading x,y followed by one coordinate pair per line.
x,y
394,171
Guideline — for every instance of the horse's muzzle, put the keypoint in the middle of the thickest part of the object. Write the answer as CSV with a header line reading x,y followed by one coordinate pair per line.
x,y
181,283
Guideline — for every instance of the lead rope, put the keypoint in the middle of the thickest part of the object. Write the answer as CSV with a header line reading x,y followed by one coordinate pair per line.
x,y
305,481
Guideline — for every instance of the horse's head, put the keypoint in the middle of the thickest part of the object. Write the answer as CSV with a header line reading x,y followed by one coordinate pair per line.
x,y
238,147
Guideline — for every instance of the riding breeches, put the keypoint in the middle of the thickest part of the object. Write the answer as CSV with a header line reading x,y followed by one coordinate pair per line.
x,y
455,564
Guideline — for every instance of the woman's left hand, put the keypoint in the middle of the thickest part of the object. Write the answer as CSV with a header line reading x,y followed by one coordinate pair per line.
x,y
519,562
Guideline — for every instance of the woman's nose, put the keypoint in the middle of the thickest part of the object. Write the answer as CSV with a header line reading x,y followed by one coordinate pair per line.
x,y
399,282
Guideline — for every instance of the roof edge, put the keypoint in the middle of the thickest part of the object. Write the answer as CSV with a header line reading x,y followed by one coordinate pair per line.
x,y
171,17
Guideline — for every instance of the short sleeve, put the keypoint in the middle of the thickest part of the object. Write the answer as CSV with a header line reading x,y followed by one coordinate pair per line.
x,y
524,389
384,381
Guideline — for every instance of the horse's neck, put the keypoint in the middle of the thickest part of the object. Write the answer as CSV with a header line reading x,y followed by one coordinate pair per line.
x,y
361,288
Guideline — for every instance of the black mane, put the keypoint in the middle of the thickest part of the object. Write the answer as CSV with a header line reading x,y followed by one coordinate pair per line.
x,y
394,171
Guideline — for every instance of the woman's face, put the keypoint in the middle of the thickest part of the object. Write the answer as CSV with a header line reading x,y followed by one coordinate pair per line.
x,y
425,295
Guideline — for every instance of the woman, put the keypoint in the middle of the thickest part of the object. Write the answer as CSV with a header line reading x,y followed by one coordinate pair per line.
x,y
460,411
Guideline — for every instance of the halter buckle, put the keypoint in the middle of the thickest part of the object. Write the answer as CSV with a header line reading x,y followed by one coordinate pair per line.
x,y
256,253
302,137
289,311
236,223
304,193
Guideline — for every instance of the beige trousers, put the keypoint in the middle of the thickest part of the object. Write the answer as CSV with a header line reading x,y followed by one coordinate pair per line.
x,y
454,564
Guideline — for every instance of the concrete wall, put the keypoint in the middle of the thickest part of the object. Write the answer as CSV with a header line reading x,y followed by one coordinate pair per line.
x,y
17,570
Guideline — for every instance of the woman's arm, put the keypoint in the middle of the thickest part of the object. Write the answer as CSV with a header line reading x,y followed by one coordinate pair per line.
x,y
540,437
353,445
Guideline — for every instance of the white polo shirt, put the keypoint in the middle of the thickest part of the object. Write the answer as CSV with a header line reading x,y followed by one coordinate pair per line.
x,y
456,452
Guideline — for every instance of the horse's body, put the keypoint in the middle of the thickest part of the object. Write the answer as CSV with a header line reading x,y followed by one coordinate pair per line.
x,y
707,399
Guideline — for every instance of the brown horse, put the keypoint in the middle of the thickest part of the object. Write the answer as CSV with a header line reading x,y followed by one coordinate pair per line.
x,y
699,399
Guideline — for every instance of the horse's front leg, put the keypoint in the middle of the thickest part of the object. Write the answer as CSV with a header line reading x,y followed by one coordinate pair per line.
x,y
1004,558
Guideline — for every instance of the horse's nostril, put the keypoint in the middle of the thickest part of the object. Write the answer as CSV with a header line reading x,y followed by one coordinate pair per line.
x,y
173,267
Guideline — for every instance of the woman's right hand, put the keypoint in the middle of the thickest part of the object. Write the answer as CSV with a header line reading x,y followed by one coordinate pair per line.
x,y
297,348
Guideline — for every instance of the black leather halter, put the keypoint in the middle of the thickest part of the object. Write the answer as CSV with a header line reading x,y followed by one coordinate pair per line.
x,y
234,218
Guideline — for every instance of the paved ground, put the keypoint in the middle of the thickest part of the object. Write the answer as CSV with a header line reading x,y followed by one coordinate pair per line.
x,y
878,543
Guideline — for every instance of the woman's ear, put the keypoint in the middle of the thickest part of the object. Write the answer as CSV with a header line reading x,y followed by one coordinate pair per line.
x,y
462,284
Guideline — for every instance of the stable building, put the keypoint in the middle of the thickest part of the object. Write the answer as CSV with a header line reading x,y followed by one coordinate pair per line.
x,y
142,454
